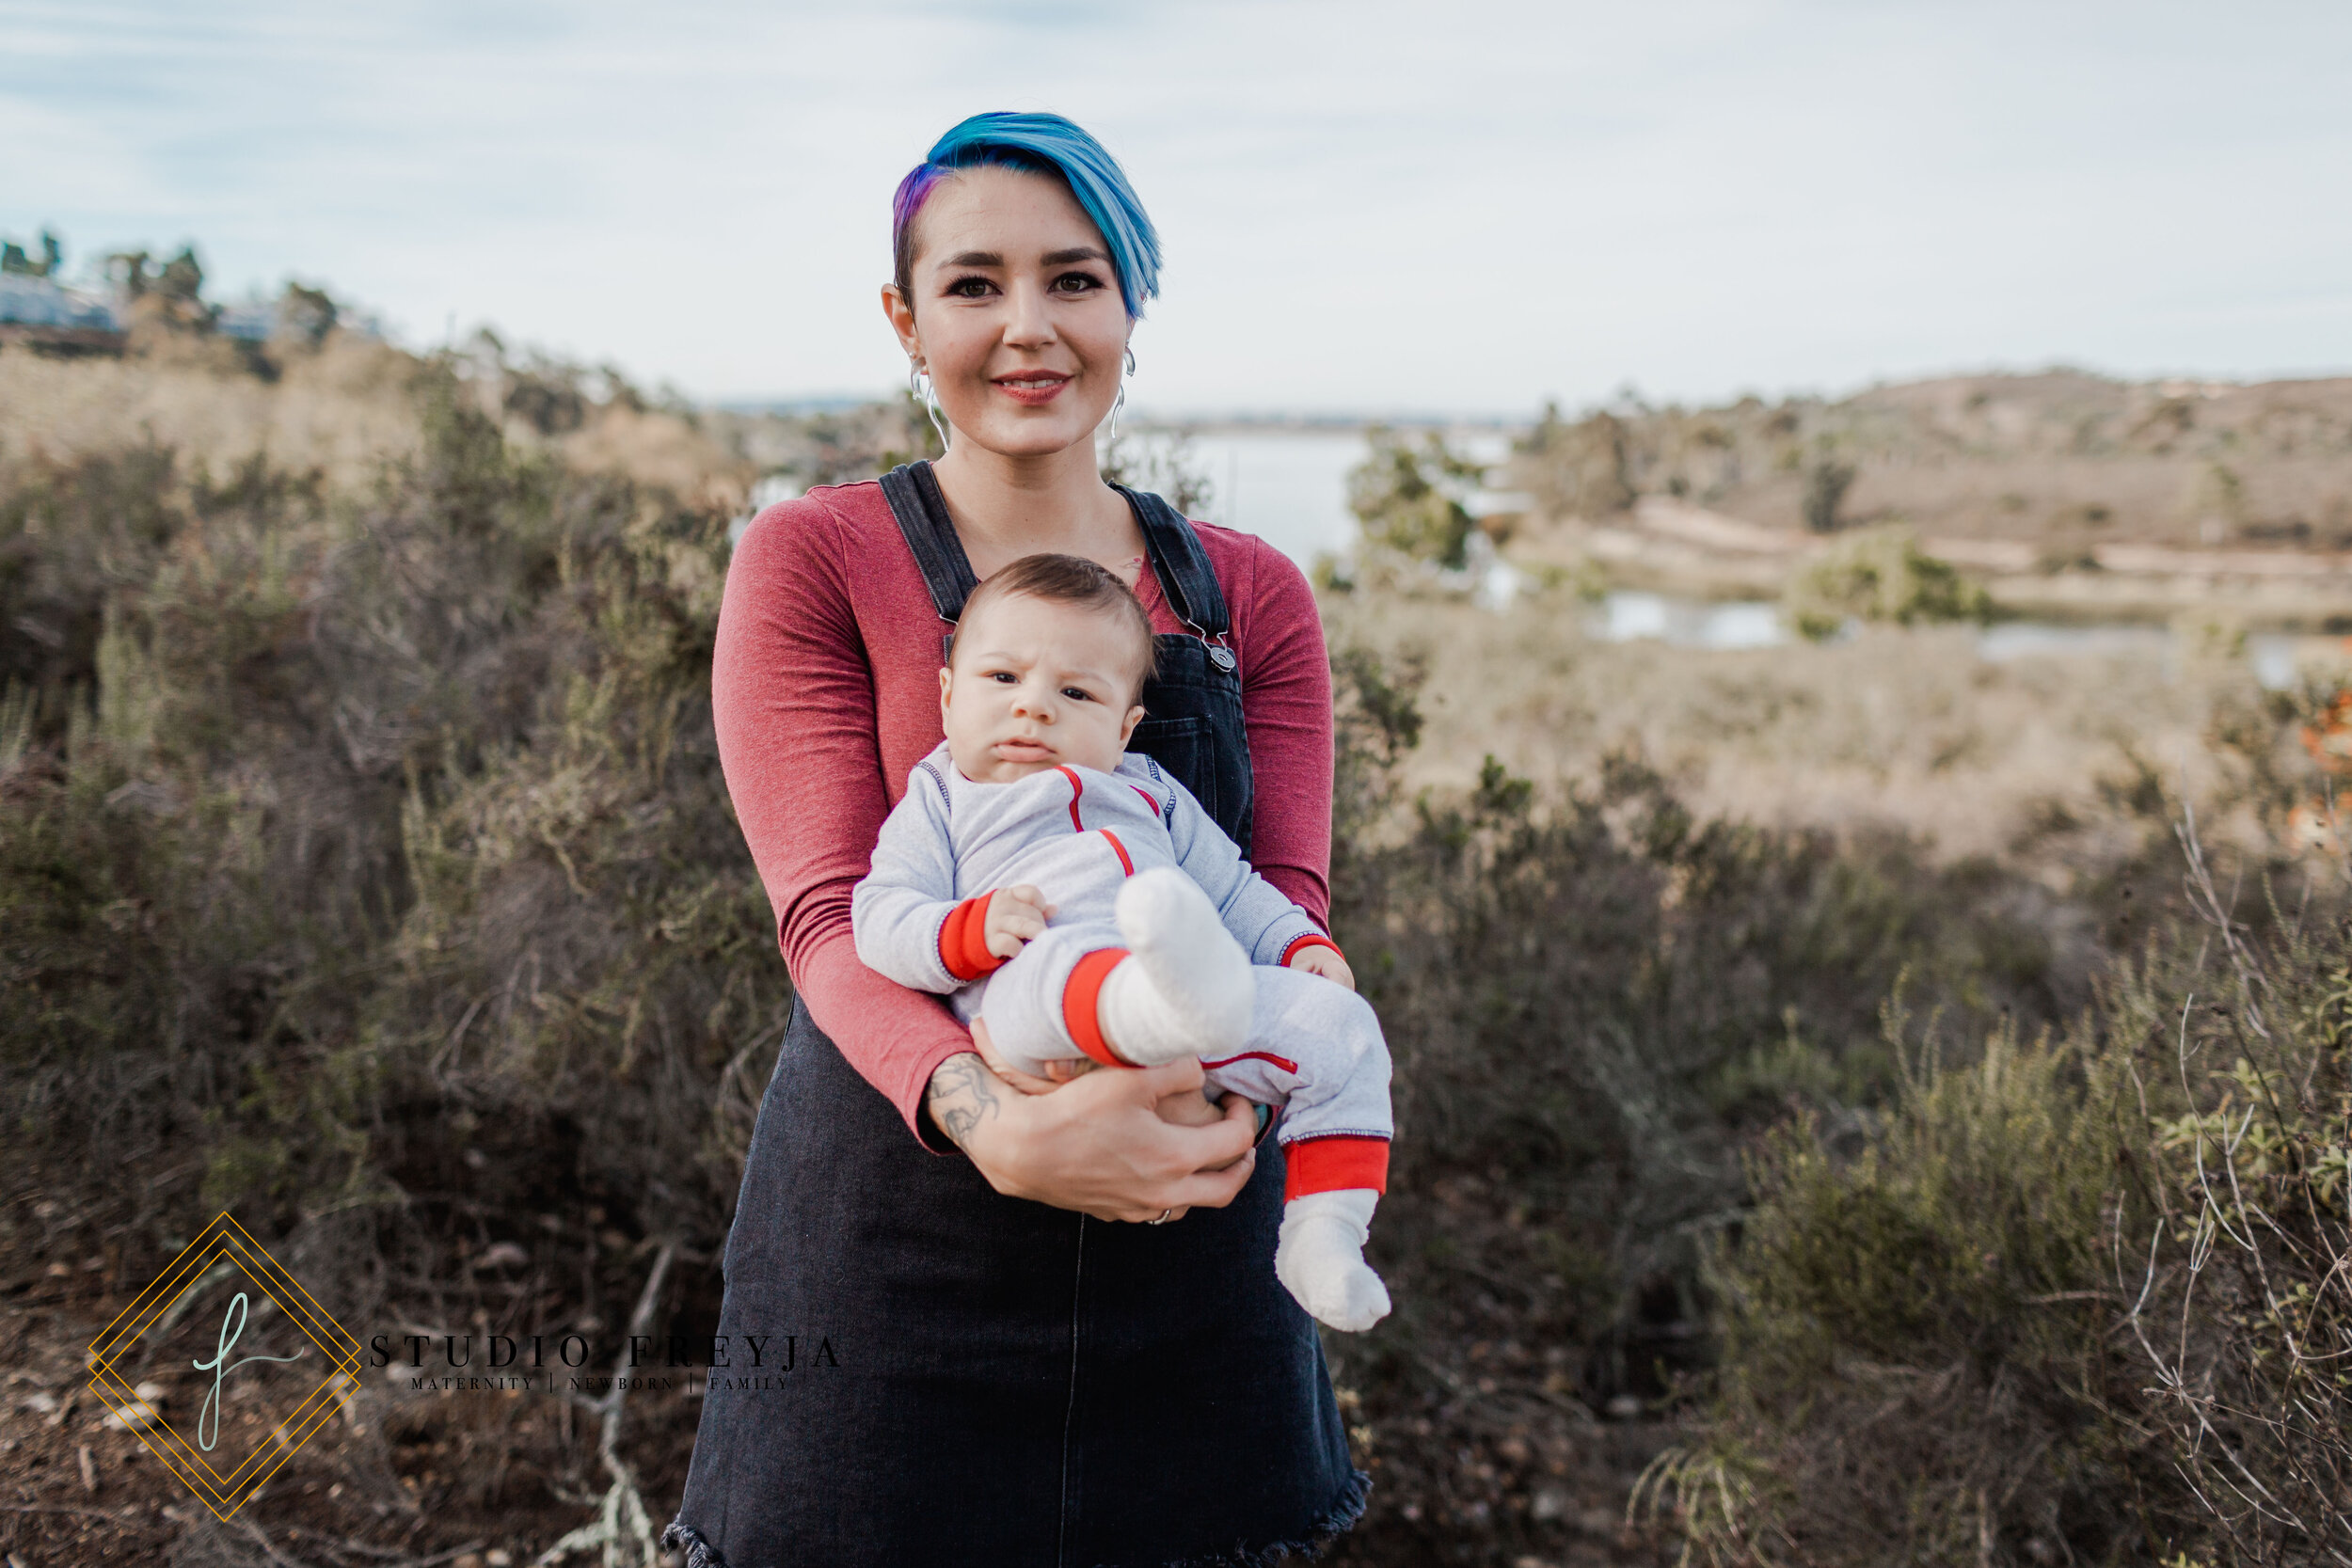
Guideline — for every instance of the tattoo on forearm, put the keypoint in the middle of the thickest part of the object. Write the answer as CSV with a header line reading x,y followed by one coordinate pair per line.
x,y
962,1094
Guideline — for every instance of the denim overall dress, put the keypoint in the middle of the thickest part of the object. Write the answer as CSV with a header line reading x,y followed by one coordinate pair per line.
x,y
948,1376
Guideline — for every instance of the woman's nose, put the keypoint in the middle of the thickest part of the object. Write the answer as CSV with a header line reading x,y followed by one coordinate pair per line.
x,y
1030,323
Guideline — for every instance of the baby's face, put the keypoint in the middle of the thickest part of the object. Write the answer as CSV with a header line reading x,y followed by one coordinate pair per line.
x,y
1036,684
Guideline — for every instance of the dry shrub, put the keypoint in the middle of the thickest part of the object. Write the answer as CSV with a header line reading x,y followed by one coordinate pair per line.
x,y
1594,998
1915,1362
366,869
2244,1287
2082,1300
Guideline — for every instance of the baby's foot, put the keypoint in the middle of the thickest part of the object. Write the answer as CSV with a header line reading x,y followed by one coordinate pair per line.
x,y
1185,989
1319,1258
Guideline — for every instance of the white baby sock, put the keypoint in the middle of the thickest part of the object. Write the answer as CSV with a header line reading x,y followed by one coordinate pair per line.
x,y
1319,1258
1185,989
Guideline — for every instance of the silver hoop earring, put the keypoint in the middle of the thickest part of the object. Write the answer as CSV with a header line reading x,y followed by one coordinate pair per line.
x,y
1120,402
919,385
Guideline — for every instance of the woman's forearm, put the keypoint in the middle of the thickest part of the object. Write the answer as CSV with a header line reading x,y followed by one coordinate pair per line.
x,y
962,1093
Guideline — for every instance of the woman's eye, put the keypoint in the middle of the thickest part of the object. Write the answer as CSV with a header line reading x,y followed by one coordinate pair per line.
x,y
970,288
1077,282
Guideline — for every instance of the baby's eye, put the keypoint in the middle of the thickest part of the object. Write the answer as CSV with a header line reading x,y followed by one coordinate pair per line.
x,y
1004,678
1077,695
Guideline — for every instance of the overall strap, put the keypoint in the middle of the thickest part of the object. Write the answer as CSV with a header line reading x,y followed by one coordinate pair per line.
x,y
1186,580
930,533
1183,568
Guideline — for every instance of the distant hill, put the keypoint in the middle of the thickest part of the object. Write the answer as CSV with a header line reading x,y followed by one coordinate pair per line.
x,y
2068,489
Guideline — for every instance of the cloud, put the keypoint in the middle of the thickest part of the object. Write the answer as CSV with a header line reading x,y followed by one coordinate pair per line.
x,y
1371,204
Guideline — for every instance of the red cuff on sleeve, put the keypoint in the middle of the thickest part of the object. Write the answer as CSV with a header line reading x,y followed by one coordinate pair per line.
x,y
964,939
1078,999
1334,1164
1313,939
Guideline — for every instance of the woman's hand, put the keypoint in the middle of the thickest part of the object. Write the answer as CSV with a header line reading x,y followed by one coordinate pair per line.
x,y
1185,1107
1098,1144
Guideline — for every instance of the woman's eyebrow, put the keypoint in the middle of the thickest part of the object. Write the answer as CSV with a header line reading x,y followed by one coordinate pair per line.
x,y
976,259
1082,253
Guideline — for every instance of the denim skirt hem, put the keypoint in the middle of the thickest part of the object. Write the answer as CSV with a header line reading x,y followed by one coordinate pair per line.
x,y
1341,1517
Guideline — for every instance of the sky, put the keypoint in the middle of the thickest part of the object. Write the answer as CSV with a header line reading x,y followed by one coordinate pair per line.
x,y
1451,206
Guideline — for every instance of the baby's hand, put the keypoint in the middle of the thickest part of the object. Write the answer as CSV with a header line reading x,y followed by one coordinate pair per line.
x,y
1324,961
1015,915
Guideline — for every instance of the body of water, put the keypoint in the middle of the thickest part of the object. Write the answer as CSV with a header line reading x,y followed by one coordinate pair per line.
x,y
1626,616
1290,487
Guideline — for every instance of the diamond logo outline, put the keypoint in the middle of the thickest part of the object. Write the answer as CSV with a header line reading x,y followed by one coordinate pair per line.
x,y
224,1241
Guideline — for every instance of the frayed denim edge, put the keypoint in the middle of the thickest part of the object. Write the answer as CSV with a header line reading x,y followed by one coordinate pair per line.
x,y
1336,1521
683,1537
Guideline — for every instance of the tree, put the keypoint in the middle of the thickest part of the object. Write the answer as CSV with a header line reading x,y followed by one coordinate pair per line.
x,y
1410,500
1826,482
1583,470
306,315
183,277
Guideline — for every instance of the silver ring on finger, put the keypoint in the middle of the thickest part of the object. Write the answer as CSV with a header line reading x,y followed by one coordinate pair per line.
x,y
1166,1215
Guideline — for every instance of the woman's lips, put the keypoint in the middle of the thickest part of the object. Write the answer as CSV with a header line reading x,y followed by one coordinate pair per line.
x,y
1034,390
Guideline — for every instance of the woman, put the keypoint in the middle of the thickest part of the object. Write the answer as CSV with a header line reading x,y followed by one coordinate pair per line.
x,y
969,1320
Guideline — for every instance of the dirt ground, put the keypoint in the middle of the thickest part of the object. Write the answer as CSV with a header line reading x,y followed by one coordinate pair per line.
x,y
400,1480
488,1480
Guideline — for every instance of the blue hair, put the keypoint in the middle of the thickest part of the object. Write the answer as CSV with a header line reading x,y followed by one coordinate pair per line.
x,y
1040,144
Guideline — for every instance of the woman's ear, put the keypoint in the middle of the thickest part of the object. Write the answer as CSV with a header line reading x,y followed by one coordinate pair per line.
x,y
900,311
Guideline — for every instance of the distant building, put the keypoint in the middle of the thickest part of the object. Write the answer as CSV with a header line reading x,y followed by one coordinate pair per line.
x,y
42,312
253,320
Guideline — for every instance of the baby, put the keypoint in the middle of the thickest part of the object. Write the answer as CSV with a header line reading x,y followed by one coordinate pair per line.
x,y
1082,902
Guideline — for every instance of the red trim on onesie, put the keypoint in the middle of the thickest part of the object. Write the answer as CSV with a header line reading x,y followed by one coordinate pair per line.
x,y
1126,865
1299,945
1283,1062
964,939
1148,798
1079,998
1077,790
1334,1164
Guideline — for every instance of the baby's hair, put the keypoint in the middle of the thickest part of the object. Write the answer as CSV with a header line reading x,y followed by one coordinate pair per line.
x,y
1071,580
1039,144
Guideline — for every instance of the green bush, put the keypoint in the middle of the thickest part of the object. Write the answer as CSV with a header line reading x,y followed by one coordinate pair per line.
x,y
1409,500
1880,576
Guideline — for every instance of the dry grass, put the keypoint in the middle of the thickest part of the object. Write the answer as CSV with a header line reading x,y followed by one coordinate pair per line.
x,y
2050,762
339,411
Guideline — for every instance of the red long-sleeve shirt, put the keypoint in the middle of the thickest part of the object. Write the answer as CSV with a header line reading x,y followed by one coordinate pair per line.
x,y
825,690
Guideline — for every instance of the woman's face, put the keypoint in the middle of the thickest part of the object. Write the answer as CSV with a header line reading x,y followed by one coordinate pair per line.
x,y
1016,311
